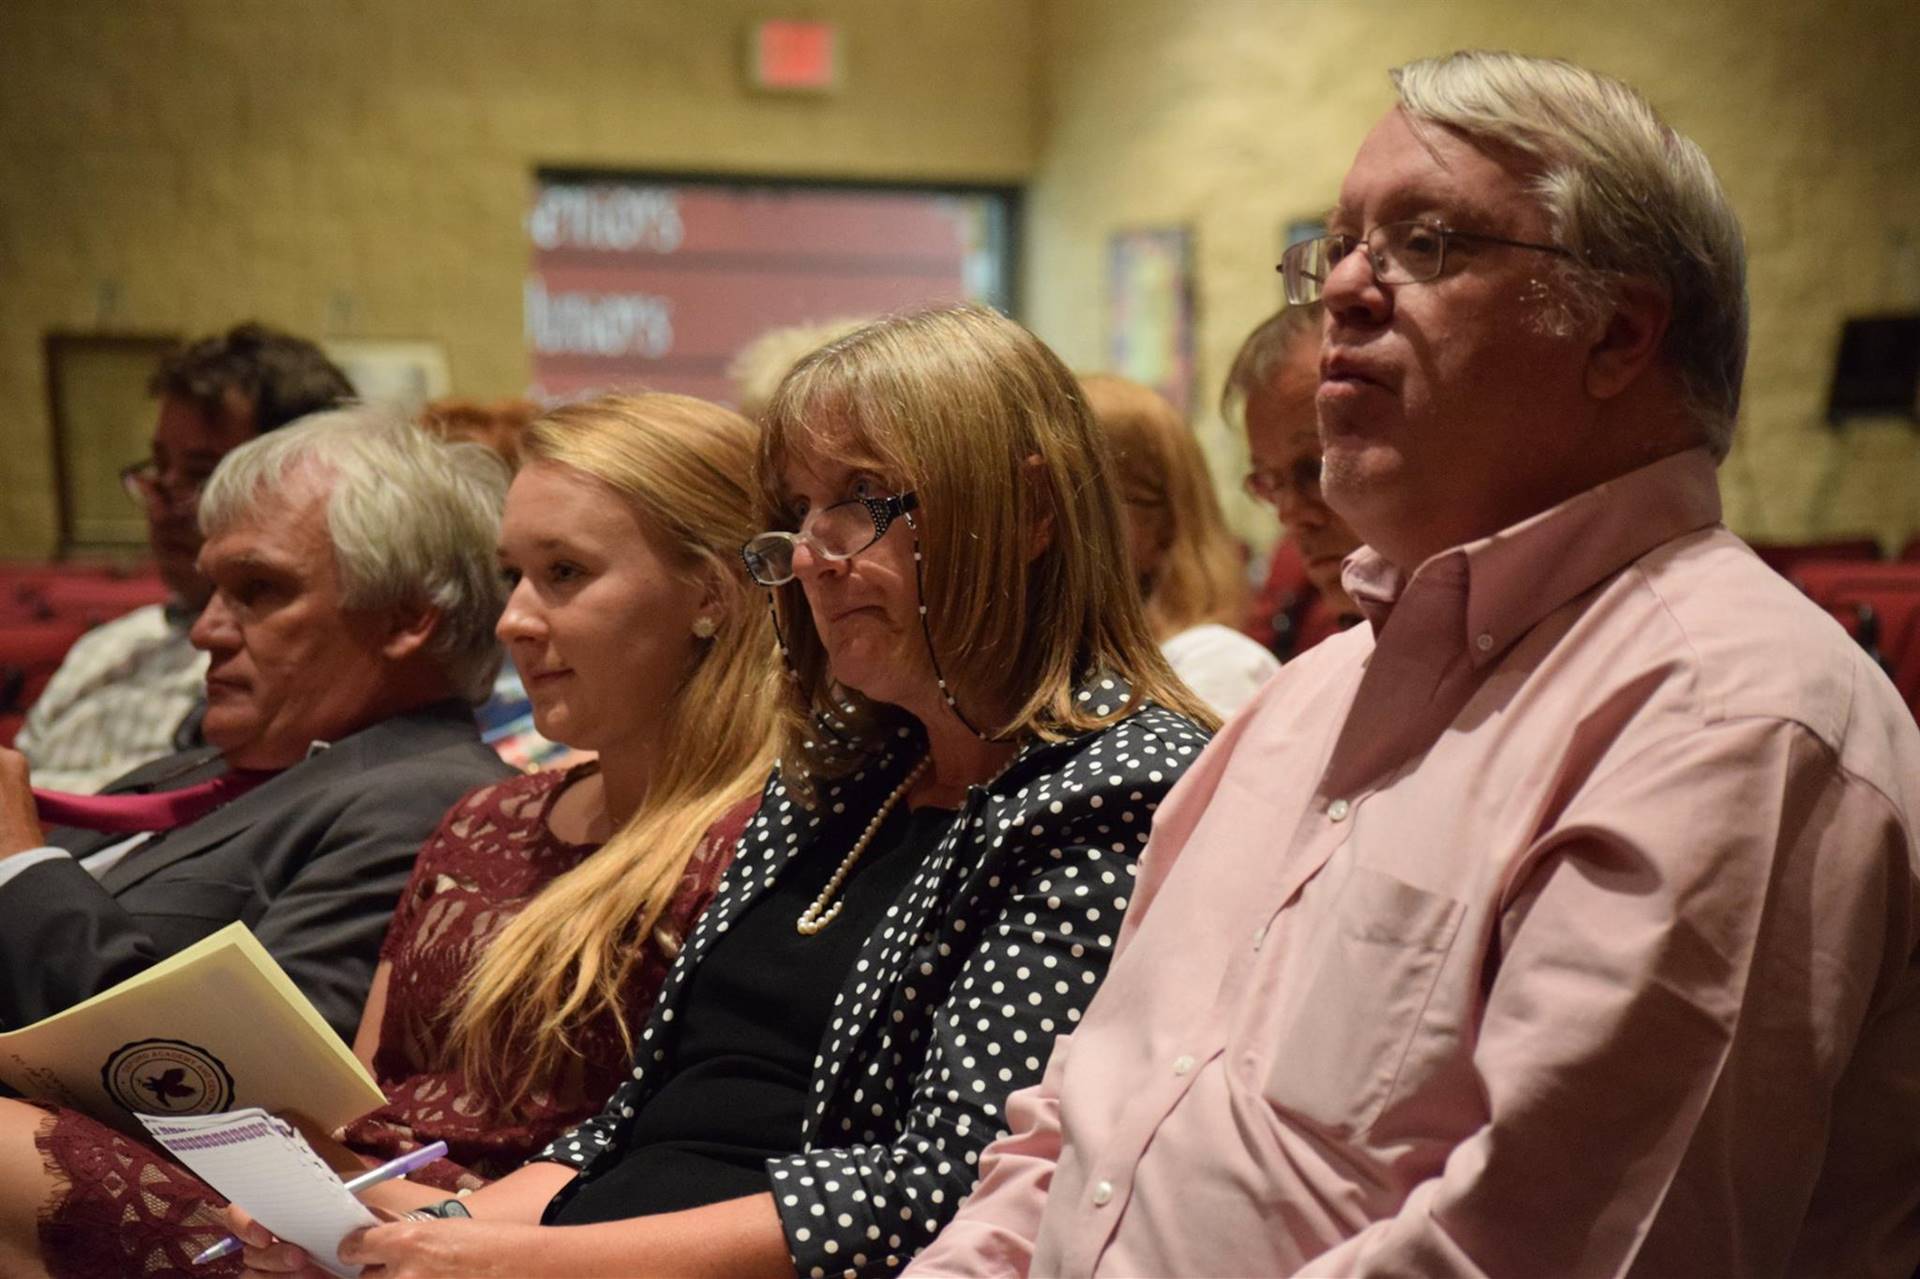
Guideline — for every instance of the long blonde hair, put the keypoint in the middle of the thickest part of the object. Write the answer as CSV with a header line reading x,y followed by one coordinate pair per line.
x,y
684,466
1199,577
988,427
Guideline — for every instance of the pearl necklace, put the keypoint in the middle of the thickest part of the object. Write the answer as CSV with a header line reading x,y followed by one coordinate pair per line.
x,y
820,913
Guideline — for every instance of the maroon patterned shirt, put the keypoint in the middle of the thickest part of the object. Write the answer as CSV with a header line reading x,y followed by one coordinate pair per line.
x,y
492,854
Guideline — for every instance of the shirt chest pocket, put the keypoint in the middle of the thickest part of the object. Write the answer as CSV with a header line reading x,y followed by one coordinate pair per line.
x,y
1353,996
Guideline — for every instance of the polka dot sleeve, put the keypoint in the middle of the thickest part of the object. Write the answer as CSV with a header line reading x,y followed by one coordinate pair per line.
x,y
1016,928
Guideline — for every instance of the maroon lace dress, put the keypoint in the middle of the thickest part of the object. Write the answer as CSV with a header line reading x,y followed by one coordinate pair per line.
x,y
122,1209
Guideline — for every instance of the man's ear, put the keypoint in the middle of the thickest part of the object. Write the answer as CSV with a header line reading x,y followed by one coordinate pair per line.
x,y
409,632
1034,473
1636,325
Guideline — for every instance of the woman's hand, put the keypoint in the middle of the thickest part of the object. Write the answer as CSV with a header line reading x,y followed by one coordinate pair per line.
x,y
398,1249
451,1249
266,1255
512,1204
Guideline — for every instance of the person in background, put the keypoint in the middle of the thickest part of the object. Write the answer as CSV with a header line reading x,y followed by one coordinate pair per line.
x,y
349,631
756,371
1188,566
506,717
1564,918
124,690
1271,389
541,917
978,730
498,424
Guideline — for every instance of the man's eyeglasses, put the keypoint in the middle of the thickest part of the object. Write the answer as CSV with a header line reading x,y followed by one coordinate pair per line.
x,y
1399,252
146,484
1302,479
837,532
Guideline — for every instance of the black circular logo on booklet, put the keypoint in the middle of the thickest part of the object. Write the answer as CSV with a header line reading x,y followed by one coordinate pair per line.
x,y
167,1077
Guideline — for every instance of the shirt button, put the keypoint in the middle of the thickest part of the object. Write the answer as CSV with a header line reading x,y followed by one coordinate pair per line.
x,y
1102,1193
1259,935
1182,1064
1483,641
1338,810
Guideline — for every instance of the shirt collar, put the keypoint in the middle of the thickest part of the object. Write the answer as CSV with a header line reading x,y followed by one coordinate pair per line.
x,y
1515,577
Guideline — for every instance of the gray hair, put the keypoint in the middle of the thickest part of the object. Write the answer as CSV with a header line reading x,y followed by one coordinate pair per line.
x,y
1265,350
413,519
1626,193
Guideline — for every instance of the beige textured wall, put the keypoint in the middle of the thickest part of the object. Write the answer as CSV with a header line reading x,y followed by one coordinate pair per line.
x,y
1236,115
359,168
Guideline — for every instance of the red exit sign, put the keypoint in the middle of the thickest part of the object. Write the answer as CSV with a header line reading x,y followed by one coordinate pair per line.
x,y
794,56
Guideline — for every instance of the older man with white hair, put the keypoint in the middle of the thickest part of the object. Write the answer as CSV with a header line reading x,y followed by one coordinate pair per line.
x,y
1563,920
349,632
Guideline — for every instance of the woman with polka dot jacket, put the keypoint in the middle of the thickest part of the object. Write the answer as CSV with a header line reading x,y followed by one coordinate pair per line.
x,y
981,727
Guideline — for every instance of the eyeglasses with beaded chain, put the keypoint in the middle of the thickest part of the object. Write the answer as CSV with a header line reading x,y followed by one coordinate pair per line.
x,y
840,532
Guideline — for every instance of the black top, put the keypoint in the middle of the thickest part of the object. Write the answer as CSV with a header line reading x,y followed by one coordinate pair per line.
x,y
753,1019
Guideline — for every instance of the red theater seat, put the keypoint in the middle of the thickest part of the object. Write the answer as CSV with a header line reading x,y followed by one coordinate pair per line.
x,y
30,653
90,593
1904,659
99,599
1880,606
1784,557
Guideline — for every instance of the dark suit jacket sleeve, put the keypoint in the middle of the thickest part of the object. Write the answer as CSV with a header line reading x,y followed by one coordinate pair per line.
x,y
336,858
325,926
56,909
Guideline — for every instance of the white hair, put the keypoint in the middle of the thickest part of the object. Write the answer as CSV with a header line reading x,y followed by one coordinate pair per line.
x,y
1629,196
413,520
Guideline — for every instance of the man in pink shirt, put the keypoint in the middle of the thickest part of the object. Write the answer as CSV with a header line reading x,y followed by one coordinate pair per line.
x,y
1563,919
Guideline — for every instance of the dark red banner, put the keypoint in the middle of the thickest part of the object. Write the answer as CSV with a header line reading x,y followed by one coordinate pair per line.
x,y
660,284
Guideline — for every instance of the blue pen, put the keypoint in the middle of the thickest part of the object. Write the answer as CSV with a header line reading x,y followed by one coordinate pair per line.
x,y
371,1177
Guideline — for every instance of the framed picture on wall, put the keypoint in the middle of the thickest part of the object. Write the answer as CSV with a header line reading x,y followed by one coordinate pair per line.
x,y
398,372
1150,320
102,421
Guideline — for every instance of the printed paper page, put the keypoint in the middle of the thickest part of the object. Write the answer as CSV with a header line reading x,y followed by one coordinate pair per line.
x,y
262,1164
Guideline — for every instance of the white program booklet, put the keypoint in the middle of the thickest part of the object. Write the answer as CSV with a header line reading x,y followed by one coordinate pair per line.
x,y
265,1166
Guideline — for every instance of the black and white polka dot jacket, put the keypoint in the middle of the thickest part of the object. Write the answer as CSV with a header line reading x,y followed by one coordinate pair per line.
x,y
955,1001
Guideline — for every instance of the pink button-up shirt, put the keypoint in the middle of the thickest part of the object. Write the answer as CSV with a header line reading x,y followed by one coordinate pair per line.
x,y
1562,922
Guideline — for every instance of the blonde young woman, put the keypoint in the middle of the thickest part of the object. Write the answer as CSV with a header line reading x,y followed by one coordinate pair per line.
x,y
1189,567
541,918
979,728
